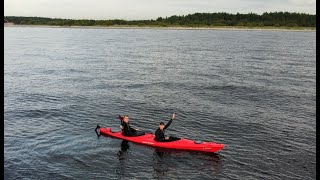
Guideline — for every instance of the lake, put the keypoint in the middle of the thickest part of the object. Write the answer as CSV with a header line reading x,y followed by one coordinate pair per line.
x,y
254,91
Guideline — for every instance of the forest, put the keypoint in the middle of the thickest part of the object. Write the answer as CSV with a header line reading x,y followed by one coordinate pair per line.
x,y
272,19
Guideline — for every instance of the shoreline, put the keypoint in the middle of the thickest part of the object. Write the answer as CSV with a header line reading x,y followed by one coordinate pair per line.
x,y
235,28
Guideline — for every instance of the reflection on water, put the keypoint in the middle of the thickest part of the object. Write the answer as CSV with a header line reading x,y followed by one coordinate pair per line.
x,y
121,170
160,166
166,160
123,149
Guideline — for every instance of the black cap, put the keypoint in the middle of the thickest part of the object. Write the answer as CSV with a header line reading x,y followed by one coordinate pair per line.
x,y
161,123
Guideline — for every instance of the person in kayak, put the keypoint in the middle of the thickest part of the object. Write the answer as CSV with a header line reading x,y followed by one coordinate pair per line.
x,y
126,129
160,132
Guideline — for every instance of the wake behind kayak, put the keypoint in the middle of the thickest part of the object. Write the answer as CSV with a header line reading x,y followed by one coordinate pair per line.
x,y
148,139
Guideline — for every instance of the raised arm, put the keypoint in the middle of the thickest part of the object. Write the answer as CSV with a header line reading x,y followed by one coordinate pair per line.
x,y
120,117
121,120
168,124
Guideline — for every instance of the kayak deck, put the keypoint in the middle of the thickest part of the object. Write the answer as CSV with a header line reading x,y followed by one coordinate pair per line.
x,y
182,144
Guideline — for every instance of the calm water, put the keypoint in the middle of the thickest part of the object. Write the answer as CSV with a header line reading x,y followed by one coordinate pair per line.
x,y
254,91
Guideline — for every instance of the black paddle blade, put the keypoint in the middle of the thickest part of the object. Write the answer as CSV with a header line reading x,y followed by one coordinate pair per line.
x,y
98,127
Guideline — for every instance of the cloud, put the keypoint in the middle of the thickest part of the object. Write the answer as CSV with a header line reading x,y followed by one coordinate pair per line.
x,y
148,9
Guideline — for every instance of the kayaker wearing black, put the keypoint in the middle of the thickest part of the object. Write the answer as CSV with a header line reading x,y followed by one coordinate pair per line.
x,y
160,132
126,129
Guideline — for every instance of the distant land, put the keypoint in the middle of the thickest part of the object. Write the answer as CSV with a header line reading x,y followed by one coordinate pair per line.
x,y
272,20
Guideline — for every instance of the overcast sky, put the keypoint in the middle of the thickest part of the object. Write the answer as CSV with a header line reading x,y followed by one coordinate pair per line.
x,y
147,9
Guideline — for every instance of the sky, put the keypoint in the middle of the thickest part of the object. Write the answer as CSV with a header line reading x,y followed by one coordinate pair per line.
x,y
148,9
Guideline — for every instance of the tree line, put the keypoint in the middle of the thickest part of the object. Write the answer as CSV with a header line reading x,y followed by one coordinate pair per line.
x,y
275,19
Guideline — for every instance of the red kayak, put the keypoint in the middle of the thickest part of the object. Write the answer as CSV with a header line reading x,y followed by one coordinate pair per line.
x,y
182,144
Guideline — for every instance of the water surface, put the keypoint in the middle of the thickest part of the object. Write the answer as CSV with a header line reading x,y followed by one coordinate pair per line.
x,y
253,91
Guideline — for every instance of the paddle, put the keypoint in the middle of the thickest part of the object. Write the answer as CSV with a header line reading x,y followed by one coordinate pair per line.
x,y
98,127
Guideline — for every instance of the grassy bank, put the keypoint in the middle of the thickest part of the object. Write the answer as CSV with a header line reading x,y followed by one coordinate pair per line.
x,y
173,27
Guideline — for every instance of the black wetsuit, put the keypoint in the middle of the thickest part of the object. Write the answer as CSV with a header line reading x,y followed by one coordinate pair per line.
x,y
129,131
160,134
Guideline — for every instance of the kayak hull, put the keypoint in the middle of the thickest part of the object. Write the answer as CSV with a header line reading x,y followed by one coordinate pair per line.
x,y
182,144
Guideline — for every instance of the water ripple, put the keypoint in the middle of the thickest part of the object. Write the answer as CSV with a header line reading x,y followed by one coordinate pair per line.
x,y
254,91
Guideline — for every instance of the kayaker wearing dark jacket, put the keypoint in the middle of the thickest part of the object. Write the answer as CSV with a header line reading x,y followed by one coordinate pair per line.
x,y
126,129
160,132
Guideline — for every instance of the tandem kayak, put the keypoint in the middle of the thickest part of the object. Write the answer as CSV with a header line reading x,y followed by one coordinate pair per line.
x,y
148,139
